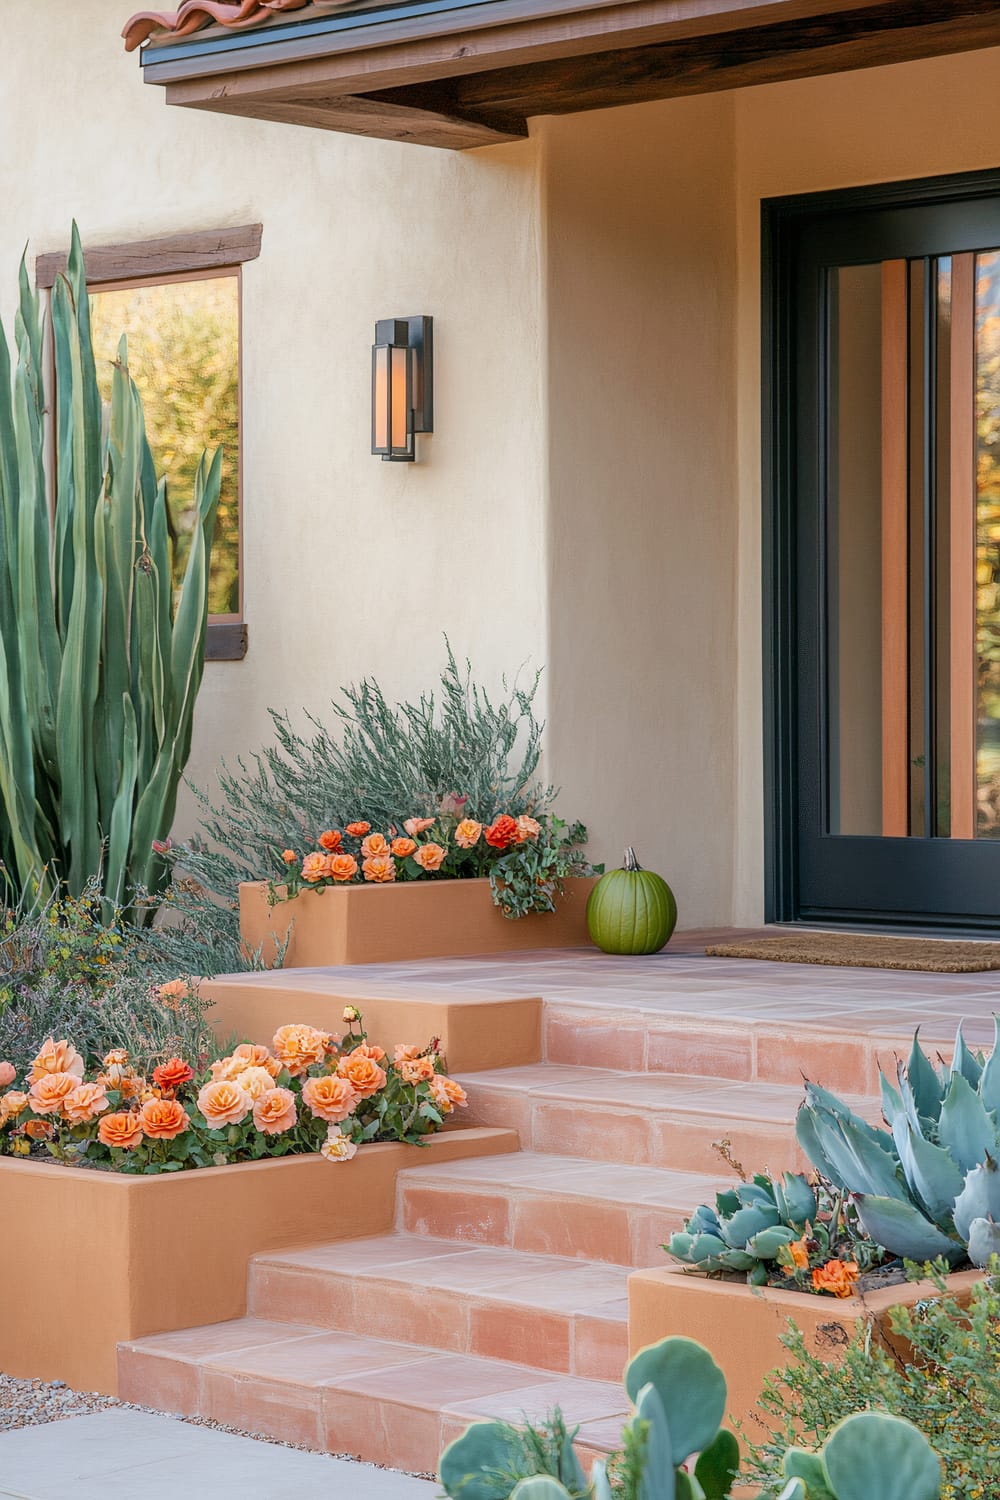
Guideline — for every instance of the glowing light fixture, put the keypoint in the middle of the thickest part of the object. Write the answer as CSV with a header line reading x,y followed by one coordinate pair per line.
x,y
402,386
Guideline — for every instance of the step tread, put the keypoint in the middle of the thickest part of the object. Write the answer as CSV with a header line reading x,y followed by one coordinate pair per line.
x,y
546,1174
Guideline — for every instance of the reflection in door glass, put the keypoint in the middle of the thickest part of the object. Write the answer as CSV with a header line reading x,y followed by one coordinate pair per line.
x,y
988,542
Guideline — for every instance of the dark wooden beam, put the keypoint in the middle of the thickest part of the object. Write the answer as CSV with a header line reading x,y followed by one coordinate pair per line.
x,y
388,119
169,255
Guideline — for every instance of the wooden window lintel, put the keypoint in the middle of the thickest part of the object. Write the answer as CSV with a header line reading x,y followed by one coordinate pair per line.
x,y
202,250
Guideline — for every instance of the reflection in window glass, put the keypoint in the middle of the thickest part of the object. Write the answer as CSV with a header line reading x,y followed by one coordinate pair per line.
x,y
988,540
183,342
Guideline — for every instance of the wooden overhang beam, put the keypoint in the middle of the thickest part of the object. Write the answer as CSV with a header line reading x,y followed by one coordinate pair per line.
x,y
480,82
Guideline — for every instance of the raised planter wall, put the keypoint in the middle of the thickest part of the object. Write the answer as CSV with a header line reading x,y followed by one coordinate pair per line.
x,y
366,924
741,1326
92,1258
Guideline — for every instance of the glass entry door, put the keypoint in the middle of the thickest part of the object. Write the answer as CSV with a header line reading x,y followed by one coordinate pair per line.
x,y
890,382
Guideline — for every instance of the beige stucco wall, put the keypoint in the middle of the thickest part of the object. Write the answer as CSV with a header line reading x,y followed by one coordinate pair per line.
x,y
591,498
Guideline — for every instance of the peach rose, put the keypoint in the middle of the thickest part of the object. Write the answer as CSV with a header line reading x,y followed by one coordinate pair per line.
x,y
122,1131
224,1103
299,1048
14,1104
49,1092
172,1074
405,1054
274,1111
132,1087
527,828
343,867
402,848
416,1070
446,1093
246,1055
254,1081
56,1057
84,1103
413,826
337,1146
362,1073
289,856
375,843
315,867
164,1119
501,833
468,833
172,993
8,1073
430,856
358,830
116,1065
380,868
330,840
369,1049
329,1098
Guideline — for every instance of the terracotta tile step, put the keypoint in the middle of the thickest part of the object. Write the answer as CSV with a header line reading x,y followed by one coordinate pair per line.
x,y
559,1315
386,1402
653,1119
554,1205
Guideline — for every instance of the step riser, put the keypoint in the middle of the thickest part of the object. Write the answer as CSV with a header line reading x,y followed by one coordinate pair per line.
x,y
562,1343
619,1234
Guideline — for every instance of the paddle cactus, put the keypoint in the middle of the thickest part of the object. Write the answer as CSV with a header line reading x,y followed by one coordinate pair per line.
x,y
748,1227
867,1455
99,668
928,1186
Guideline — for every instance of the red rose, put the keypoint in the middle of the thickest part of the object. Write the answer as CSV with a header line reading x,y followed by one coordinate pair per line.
x,y
501,833
171,1074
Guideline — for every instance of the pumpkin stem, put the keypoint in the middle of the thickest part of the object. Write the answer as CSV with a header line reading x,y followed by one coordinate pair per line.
x,y
631,863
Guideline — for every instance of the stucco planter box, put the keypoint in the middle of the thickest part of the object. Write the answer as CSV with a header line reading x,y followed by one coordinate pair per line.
x,y
741,1325
91,1258
368,924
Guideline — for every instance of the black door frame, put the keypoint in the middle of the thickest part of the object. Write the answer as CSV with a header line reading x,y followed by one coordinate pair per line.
x,y
781,222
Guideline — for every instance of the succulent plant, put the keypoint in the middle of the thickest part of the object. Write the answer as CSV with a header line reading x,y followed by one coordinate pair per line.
x,y
748,1227
929,1185
868,1456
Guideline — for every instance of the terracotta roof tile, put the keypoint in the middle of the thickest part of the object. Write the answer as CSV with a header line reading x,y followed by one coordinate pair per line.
x,y
194,14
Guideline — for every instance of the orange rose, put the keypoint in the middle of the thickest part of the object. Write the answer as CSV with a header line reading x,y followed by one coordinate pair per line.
x,y
8,1073
362,1073
85,1103
172,1074
170,995
50,1091
224,1103
37,1130
369,1049
380,868
375,843
274,1112
527,828
122,1131
56,1057
358,830
502,832
299,1048
343,867
416,1070
413,826
402,848
405,1054
446,1093
838,1277
315,867
13,1105
467,833
289,856
430,856
330,1098
164,1119
330,840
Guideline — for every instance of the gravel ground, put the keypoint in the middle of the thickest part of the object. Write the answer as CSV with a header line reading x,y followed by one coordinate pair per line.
x,y
31,1403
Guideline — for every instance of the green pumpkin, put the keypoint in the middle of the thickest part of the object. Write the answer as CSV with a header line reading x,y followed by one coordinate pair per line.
x,y
631,910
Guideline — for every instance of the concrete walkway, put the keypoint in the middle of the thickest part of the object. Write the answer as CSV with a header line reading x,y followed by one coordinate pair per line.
x,y
131,1452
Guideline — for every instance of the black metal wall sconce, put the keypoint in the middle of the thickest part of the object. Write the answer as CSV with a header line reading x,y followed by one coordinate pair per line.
x,y
402,386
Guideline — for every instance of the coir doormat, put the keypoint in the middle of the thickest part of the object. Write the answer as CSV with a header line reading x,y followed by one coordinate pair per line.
x,y
864,951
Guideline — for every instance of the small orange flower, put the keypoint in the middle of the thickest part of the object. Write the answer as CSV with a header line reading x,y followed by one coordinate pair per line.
x,y
37,1130
329,1098
315,867
49,1092
430,856
85,1103
380,868
402,848
330,840
838,1277
164,1119
120,1130
173,1073
343,867
446,1093
289,856
468,833
362,1073
502,832
374,844
799,1253
413,826
358,830
416,1070
224,1103
527,828
274,1112
56,1057
299,1048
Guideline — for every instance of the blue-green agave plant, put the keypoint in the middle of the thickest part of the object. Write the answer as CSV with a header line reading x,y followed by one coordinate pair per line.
x,y
929,1185
748,1227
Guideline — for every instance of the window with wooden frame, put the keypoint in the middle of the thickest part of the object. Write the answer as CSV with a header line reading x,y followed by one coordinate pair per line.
x,y
179,301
